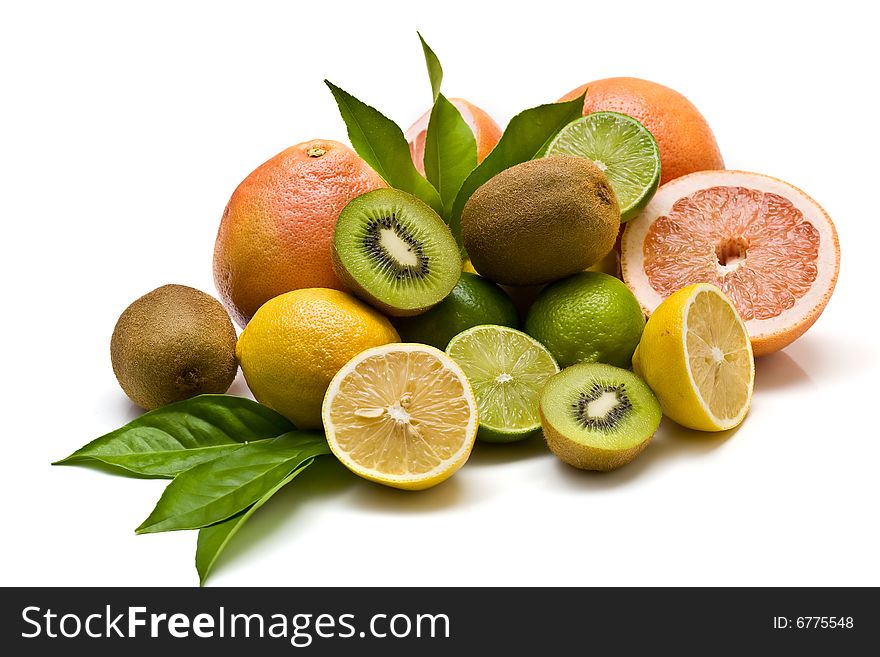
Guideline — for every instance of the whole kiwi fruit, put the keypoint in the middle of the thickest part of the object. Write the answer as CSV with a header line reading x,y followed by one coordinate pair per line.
x,y
540,221
171,344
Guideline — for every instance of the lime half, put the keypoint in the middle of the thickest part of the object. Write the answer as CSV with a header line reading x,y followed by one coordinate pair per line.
x,y
507,370
620,146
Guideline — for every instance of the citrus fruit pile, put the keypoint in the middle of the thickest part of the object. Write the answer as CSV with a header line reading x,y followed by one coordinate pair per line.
x,y
418,291
349,269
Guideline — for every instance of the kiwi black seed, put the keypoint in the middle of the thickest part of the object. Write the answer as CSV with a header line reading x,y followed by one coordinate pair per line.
x,y
171,344
393,251
598,417
381,256
612,417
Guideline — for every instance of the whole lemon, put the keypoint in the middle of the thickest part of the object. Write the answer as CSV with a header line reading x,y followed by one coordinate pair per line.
x,y
298,341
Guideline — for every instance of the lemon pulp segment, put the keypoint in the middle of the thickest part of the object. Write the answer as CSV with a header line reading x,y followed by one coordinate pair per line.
x,y
718,354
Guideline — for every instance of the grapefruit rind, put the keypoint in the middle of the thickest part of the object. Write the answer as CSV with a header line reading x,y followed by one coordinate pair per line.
x,y
486,131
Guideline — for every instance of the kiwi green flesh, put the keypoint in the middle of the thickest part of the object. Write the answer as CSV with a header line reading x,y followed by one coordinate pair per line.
x,y
395,252
598,416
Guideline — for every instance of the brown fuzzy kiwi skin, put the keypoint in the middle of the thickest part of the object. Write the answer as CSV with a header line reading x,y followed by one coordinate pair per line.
x,y
171,344
585,457
540,221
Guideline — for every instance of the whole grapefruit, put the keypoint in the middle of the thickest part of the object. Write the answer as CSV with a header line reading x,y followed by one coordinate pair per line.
x,y
684,138
486,132
276,230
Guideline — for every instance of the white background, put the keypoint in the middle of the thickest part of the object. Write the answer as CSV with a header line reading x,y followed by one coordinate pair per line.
x,y
124,131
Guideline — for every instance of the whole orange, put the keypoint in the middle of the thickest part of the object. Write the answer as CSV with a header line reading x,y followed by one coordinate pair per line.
x,y
684,138
486,132
277,228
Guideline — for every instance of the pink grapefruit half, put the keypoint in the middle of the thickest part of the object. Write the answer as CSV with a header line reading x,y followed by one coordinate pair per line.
x,y
771,248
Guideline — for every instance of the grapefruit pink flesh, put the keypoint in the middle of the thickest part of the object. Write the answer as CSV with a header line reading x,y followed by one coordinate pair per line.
x,y
763,266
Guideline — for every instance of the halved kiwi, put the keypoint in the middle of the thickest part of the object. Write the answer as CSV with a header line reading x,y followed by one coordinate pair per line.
x,y
395,252
598,417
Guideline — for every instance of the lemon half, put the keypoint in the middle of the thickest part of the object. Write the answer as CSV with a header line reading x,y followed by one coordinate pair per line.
x,y
403,415
696,356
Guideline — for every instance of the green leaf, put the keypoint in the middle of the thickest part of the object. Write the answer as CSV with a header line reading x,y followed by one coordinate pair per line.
x,y
435,71
217,490
380,142
214,538
450,151
525,138
174,438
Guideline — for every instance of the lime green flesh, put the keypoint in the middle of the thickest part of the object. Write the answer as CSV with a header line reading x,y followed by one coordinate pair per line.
x,y
623,148
507,370
601,406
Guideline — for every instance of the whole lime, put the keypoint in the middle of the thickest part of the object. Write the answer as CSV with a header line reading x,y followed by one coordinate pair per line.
x,y
473,301
587,318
